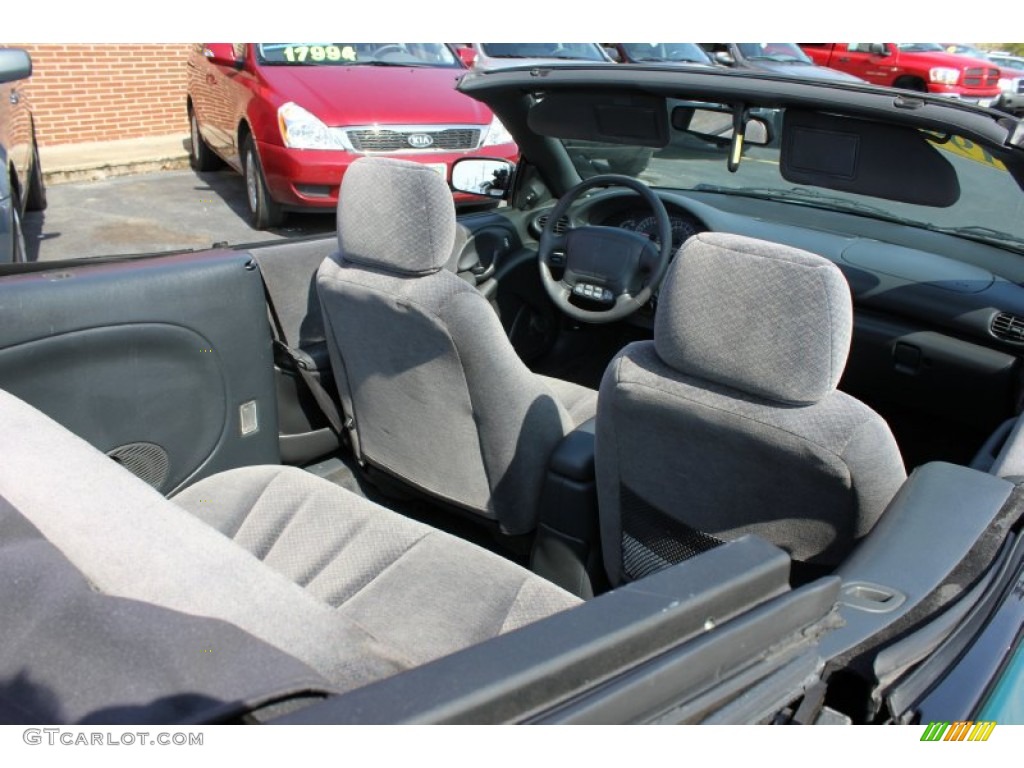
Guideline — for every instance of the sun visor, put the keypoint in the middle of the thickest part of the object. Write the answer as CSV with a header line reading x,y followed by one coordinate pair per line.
x,y
626,119
893,162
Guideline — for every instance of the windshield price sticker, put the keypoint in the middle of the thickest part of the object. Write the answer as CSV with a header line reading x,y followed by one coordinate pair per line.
x,y
319,53
958,145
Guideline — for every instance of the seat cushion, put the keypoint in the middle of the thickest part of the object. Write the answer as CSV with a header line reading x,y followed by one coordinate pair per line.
x,y
392,593
422,592
579,402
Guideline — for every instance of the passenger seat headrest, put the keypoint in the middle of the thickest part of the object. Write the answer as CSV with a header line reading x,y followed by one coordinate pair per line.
x,y
395,215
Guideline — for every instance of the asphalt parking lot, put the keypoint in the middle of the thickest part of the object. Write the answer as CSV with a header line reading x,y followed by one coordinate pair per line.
x,y
150,213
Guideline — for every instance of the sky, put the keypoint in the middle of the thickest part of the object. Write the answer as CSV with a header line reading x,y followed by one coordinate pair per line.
x,y
524,20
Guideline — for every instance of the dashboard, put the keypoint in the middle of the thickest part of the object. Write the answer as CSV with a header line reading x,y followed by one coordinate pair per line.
x,y
642,221
938,319
966,288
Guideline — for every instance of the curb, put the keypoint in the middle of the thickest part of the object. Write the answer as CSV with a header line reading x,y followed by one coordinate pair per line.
x,y
94,161
98,173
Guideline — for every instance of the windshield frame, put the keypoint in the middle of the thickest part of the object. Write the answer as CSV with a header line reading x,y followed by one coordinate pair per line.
x,y
989,208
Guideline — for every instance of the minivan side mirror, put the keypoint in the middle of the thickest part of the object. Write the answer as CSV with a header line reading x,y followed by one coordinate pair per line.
x,y
222,54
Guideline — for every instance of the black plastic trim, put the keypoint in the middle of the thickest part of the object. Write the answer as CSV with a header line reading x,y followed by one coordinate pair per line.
x,y
522,674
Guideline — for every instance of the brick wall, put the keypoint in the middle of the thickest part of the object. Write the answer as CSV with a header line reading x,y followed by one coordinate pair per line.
x,y
99,92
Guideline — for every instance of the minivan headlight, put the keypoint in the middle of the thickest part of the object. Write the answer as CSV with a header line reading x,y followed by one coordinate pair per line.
x,y
301,129
497,134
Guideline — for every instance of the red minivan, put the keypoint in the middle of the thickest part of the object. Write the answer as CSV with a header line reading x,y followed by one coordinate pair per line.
x,y
291,117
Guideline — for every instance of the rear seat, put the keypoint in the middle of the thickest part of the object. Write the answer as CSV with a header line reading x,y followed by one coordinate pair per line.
x,y
347,588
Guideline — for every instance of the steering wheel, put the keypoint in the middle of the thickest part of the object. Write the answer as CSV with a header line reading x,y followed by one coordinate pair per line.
x,y
607,273
389,48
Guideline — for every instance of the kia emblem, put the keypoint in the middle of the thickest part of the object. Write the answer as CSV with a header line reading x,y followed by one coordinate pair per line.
x,y
420,140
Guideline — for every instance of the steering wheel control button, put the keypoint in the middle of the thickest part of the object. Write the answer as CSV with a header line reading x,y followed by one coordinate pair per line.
x,y
593,293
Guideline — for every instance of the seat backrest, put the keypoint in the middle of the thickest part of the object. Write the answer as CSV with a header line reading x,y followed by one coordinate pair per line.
x,y
729,422
434,391
130,542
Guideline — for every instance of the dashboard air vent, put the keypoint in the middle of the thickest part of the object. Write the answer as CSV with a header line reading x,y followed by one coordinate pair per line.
x,y
560,226
1007,326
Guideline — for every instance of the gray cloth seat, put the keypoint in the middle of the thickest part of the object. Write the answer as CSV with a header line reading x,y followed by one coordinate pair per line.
x,y
434,392
729,421
422,592
353,591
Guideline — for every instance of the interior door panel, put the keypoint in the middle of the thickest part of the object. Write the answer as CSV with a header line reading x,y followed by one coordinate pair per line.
x,y
163,363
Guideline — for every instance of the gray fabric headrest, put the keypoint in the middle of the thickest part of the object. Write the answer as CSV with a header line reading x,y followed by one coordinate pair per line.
x,y
396,215
766,319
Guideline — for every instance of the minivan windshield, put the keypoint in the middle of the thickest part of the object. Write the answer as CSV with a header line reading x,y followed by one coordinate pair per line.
x,y
350,54
581,51
782,52
683,52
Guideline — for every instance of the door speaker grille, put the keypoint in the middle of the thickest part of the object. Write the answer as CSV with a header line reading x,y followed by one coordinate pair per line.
x,y
147,461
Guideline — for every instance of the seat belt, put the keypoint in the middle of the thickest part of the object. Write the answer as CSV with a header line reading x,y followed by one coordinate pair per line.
x,y
304,363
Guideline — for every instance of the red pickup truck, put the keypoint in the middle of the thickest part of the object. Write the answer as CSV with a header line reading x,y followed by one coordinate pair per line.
x,y
915,66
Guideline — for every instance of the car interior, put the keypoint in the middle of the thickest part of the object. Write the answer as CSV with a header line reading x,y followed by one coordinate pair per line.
x,y
411,479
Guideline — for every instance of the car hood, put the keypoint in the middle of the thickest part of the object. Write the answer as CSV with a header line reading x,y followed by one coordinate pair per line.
x,y
364,95
808,71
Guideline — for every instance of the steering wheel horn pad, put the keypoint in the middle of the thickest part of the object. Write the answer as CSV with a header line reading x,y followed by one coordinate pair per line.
x,y
607,265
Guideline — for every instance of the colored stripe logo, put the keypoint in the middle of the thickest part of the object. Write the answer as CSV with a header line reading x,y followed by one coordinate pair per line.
x,y
959,731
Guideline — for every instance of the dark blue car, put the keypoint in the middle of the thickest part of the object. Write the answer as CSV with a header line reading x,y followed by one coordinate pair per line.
x,y
21,187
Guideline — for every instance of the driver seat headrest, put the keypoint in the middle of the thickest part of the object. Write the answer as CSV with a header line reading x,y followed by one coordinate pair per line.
x,y
766,319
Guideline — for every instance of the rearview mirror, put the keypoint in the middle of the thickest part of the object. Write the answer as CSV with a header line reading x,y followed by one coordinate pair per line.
x,y
716,126
482,176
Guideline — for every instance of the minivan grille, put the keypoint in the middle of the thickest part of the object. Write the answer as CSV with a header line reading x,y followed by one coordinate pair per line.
x,y
411,139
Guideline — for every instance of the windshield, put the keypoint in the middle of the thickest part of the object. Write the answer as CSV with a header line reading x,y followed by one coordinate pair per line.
x,y
582,51
349,54
685,52
966,50
1007,62
919,47
773,52
990,207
